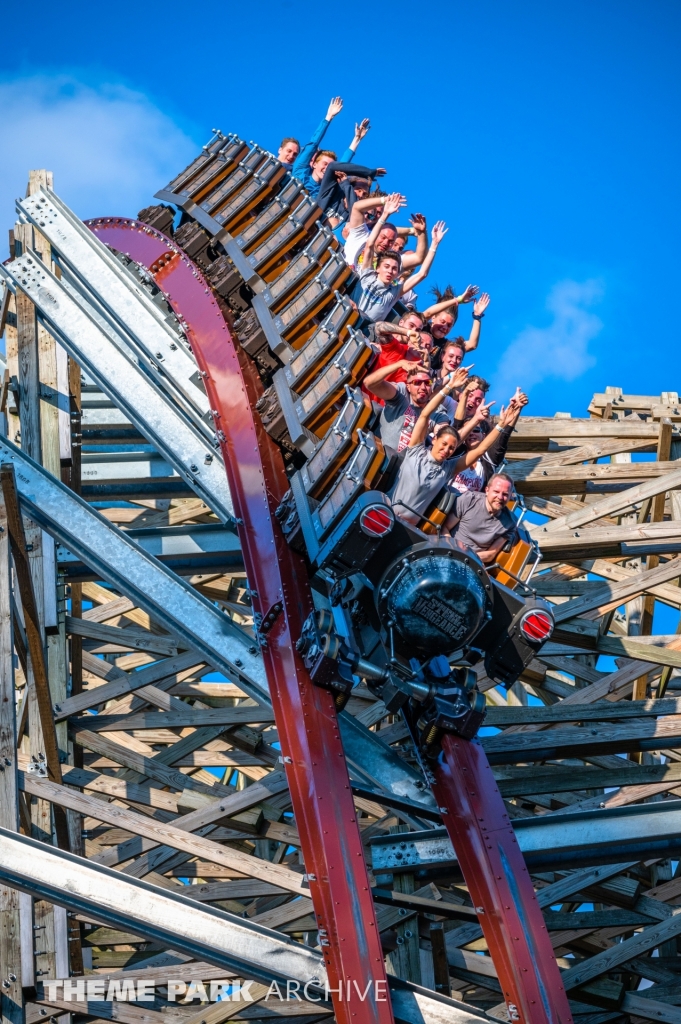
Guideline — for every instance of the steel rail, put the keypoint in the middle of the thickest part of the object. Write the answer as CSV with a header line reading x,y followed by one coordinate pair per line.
x,y
117,558
306,717
499,883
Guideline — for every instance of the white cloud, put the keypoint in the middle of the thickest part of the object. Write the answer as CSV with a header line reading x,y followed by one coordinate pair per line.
x,y
559,351
110,148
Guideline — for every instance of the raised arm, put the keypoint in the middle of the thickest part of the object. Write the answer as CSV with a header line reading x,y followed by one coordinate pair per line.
x,y
418,434
391,205
440,307
361,130
382,388
370,203
460,414
438,233
418,228
479,308
308,150
482,412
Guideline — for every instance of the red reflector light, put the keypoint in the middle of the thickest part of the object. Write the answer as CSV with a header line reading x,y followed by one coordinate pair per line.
x,y
537,625
376,521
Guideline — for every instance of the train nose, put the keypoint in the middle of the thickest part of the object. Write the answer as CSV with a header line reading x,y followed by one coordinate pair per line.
x,y
435,598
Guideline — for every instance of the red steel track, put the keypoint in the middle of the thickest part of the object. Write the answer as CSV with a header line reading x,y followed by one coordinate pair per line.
x,y
477,822
305,715
499,884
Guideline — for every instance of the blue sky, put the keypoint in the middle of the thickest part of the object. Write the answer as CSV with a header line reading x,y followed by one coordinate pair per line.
x,y
546,135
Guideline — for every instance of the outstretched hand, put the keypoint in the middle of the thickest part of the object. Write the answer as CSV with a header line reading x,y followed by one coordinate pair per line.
x,y
481,304
362,128
469,294
458,378
438,233
335,107
482,412
509,414
519,399
393,203
418,222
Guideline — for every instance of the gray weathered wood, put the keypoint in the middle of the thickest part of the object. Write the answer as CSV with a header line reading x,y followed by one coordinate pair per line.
x,y
11,1000
611,958
613,503
600,711
136,639
166,834
179,719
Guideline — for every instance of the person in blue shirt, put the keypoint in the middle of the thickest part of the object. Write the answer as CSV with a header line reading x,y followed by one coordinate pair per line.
x,y
311,162
288,151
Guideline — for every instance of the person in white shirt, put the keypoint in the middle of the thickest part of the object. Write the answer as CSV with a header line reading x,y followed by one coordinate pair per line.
x,y
382,287
362,219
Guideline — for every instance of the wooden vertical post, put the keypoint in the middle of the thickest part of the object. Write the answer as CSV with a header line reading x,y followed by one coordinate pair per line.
x,y
43,373
11,1001
656,516
440,962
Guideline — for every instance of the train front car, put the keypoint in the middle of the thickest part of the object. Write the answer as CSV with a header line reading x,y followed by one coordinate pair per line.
x,y
413,616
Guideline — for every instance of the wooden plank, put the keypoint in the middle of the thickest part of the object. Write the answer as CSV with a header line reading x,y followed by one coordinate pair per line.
x,y
179,512
15,528
149,767
634,403
559,508
572,456
573,779
574,742
178,719
136,639
563,429
593,919
613,503
599,711
650,1009
611,958
165,834
11,998
207,690
563,544
29,383
663,650
576,479
666,592
609,593
123,682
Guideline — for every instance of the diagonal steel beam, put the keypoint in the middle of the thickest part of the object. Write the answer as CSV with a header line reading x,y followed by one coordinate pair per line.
x,y
122,299
200,931
163,916
123,380
118,559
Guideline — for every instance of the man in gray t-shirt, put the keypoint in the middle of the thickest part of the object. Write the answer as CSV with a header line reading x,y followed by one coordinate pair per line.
x,y
403,402
485,523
